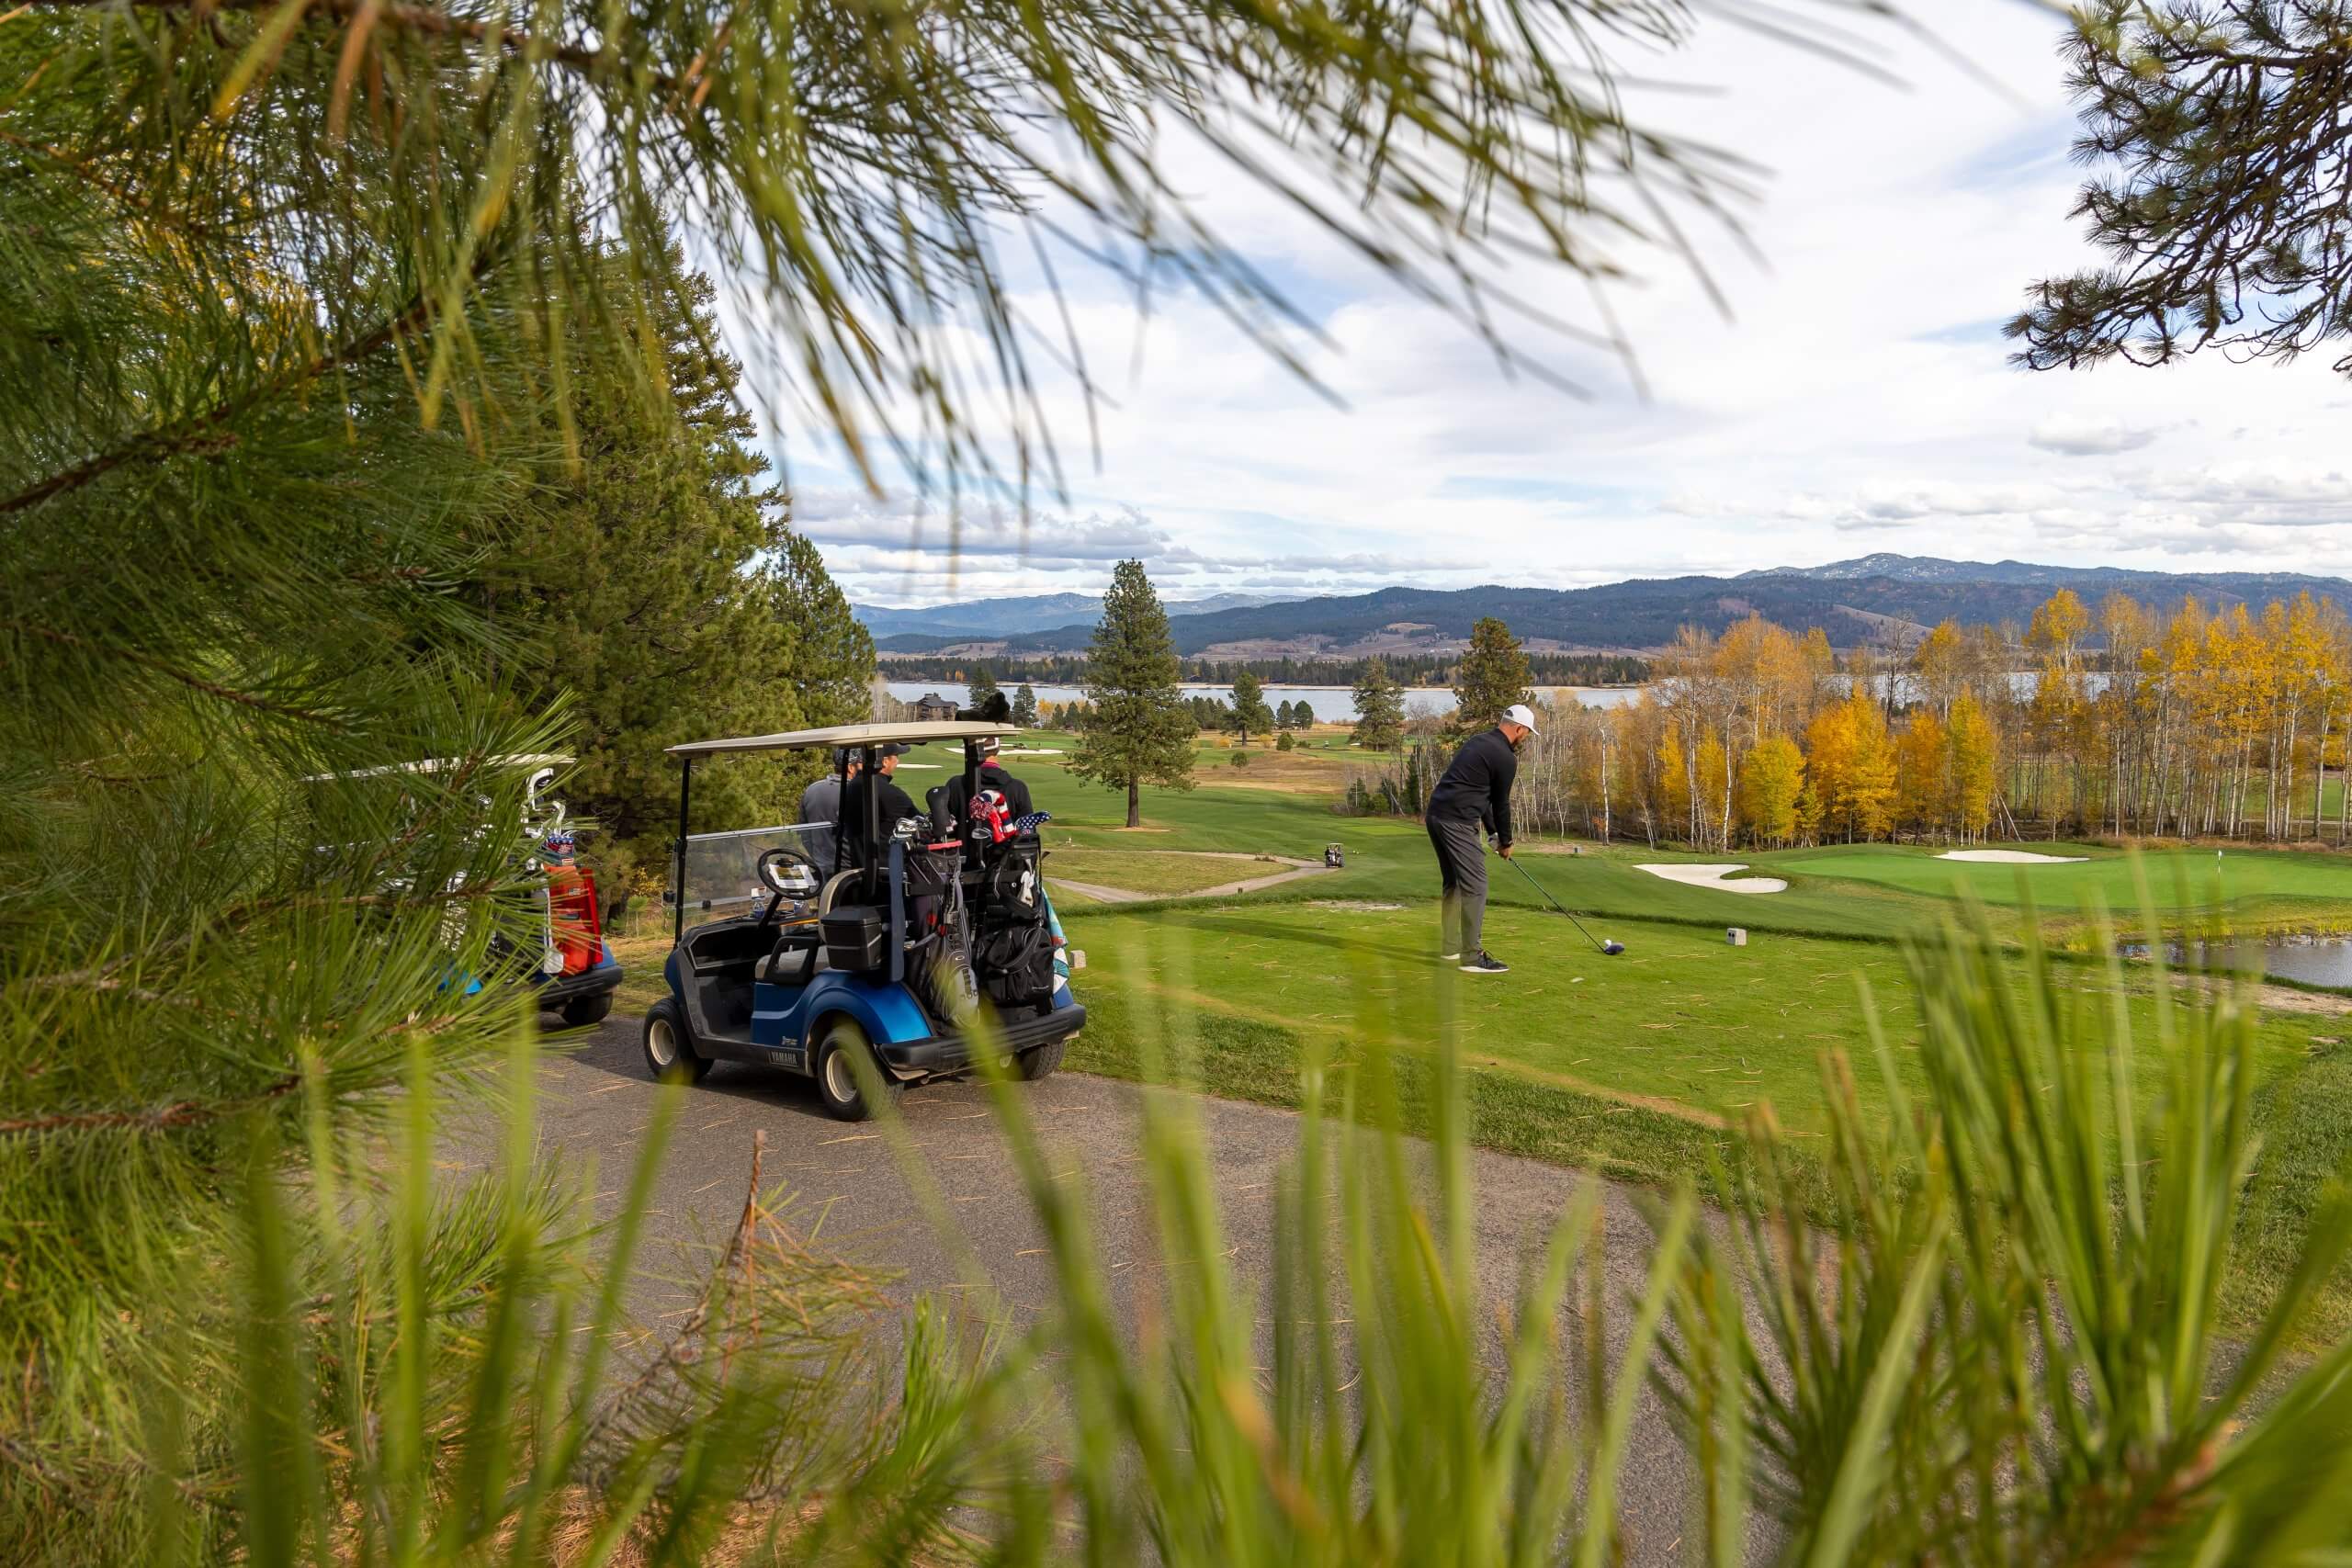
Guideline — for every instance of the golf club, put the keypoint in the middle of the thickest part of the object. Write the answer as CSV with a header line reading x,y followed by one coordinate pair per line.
x,y
1608,948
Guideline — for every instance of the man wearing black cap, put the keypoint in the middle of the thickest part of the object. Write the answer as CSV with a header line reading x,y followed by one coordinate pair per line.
x,y
895,805
1471,800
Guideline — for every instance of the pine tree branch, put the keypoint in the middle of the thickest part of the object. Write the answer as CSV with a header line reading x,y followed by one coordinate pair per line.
x,y
170,671
81,169
179,1113
206,432
428,20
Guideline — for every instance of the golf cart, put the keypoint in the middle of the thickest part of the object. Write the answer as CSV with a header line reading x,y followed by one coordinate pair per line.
x,y
801,945
559,951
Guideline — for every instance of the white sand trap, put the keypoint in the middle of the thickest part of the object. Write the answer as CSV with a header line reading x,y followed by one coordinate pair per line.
x,y
2011,857
1031,751
1713,877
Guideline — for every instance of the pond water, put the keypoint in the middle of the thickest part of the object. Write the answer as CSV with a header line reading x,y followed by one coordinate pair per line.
x,y
1331,705
2309,959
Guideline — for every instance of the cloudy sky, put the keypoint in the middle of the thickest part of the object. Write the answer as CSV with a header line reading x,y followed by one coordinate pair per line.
x,y
1857,398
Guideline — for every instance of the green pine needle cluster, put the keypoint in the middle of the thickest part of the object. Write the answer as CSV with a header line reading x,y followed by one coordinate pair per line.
x,y
2218,136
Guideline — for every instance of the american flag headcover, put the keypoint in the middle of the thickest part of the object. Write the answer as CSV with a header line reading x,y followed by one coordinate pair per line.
x,y
1029,824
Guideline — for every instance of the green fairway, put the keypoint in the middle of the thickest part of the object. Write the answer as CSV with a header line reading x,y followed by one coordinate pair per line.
x,y
1635,1064
1155,871
2243,886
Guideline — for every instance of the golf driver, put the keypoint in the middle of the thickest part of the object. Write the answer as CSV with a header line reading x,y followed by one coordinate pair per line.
x,y
1610,949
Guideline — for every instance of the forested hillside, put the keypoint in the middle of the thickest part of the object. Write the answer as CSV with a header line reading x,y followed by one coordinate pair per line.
x,y
1894,606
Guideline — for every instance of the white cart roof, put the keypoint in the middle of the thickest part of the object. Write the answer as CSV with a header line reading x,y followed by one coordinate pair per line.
x,y
533,760
850,735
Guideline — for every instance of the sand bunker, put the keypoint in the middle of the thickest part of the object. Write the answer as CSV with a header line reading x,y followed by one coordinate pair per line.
x,y
1031,751
2011,857
1713,877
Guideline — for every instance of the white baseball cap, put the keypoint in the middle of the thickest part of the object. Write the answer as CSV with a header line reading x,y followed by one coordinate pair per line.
x,y
1522,716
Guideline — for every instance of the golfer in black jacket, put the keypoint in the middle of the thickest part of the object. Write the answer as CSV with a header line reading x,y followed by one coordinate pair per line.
x,y
1474,799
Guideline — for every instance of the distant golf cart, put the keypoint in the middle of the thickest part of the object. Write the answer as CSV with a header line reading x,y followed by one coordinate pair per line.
x,y
802,947
565,958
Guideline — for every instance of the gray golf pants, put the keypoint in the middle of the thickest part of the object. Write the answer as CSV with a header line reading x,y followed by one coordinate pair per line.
x,y
1461,863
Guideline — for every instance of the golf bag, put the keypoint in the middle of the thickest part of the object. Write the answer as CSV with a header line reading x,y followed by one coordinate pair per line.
x,y
1013,949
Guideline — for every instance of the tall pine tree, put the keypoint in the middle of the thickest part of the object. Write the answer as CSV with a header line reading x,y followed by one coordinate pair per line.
x,y
1380,707
1139,730
1250,715
1493,676
662,593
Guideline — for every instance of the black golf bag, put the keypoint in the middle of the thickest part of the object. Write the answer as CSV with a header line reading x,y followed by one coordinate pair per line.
x,y
1013,949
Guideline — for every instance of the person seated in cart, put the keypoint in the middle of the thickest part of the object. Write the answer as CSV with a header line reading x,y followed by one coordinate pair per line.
x,y
821,802
895,806
993,774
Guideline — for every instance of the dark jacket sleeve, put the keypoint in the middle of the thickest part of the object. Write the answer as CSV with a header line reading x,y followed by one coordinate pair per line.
x,y
1501,772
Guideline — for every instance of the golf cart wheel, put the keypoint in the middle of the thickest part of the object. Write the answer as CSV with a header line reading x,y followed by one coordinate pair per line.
x,y
670,1045
835,1062
581,1012
1039,1061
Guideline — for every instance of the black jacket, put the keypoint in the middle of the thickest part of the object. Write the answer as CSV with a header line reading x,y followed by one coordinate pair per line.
x,y
1476,789
852,829
992,776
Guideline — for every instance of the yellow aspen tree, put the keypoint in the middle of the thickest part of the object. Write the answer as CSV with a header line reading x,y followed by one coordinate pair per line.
x,y
1771,779
1974,761
1868,800
1714,779
1921,773
1673,786
1829,758
1940,667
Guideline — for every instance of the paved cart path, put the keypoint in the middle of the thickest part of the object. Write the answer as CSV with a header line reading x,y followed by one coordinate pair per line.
x,y
596,1102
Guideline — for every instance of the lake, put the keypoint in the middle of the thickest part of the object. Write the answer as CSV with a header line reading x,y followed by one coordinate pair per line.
x,y
2310,959
1330,705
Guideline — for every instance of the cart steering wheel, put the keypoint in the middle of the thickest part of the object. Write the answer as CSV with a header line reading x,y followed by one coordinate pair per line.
x,y
772,871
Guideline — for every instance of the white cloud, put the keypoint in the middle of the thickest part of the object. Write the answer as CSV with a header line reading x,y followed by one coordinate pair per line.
x,y
1859,399
2075,436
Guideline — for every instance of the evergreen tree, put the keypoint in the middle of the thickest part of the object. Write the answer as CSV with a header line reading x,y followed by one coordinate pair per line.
x,y
1138,729
1250,715
982,685
1492,677
1380,708
2219,134
661,593
1024,706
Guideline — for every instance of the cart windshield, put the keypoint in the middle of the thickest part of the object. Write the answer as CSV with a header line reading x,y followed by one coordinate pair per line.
x,y
722,878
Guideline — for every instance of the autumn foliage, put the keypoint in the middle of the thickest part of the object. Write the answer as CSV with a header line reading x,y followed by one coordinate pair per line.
x,y
2120,719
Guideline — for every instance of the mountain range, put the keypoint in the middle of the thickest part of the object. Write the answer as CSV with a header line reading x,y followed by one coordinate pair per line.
x,y
986,618
1874,598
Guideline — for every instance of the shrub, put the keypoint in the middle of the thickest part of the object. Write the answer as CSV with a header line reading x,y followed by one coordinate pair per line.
x,y
1241,758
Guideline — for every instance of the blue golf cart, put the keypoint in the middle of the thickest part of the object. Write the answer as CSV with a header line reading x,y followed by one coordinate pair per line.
x,y
800,945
